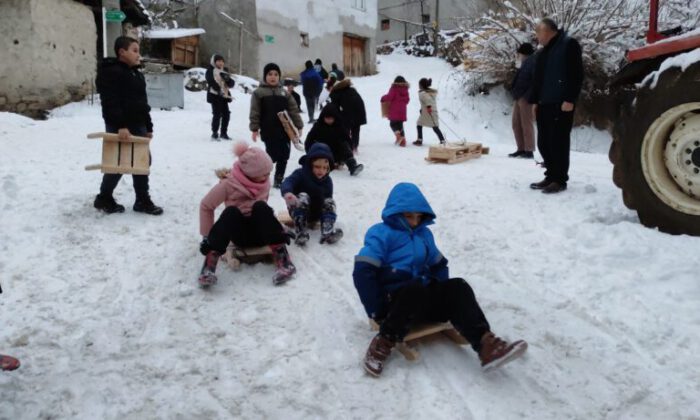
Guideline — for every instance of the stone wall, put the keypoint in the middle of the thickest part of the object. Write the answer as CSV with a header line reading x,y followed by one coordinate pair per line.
x,y
48,54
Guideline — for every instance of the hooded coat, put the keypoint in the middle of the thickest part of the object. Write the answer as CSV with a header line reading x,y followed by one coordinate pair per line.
x,y
335,136
349,103
395,255
398,99
303,180
427,100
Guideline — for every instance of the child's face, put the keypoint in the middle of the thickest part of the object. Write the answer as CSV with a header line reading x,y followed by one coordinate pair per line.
x,y
320,168
260,179
132,55
290,88
413,219
272,78
219,64
329,120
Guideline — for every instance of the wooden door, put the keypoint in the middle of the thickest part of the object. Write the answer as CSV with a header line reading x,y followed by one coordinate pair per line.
x,y
354,56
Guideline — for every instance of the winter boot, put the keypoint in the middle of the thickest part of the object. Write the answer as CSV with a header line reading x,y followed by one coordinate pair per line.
x,y
354,167
527,155
145,205
224,136
214,136
8,363
418,142
285,269
402,143
495,352
207,276
540,185
107,204
329,234
398,136
377,353
300,221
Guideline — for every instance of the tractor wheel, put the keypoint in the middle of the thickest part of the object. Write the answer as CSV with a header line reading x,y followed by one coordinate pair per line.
x,y
656,152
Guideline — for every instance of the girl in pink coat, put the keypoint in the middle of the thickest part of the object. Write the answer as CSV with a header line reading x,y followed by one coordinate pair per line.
x,y
398,99
247,220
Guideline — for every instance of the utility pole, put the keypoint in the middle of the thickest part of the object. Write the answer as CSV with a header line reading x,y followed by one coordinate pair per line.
x,y
436,28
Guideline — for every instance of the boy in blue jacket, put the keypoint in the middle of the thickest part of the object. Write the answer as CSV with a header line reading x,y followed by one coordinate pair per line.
x,y
402,279
308,192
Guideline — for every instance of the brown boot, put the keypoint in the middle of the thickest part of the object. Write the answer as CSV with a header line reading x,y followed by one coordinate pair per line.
x,y
377,353
495,352
398,136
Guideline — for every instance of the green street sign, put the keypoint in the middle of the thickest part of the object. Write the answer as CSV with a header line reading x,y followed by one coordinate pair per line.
x,y
114,16
270,39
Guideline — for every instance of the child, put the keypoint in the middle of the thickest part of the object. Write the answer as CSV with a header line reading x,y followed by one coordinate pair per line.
x,y
428,111
219,96
247,220
290,84
312,84
398,100
266,101
308,192
352,109
330,131
402,278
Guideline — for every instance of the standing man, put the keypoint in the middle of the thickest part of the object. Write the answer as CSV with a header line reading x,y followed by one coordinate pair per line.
x,y
312,84
523,129
125,109
556,86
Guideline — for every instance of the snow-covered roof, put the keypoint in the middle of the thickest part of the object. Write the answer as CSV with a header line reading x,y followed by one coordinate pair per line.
x,y
172,33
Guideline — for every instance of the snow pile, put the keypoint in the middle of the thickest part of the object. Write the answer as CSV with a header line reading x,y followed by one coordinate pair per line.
x,y
683,61
104,312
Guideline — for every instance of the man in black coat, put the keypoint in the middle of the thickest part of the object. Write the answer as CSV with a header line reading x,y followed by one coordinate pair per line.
x,y
556,86
352,109
125,110
329,130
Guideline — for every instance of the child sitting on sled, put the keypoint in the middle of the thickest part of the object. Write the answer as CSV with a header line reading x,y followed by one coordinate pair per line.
x,y
308,192
247,220
402,279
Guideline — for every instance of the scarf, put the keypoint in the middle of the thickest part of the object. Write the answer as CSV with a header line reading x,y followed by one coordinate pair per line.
x,y
254,188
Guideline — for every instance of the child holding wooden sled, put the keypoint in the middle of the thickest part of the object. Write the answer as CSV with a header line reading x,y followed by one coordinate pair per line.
x,y
247,220
397,100
402,278
308,192
267,100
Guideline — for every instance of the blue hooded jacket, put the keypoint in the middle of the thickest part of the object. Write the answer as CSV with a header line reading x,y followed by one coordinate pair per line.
x,y
304,180
394,255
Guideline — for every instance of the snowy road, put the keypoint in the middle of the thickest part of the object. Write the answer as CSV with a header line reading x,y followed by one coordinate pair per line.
x,y
104,313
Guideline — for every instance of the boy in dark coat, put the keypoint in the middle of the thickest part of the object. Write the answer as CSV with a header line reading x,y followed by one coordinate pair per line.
x,y
312,85
125,110
523,128
219,96
352,109
265,102
308,192
402,279
330,131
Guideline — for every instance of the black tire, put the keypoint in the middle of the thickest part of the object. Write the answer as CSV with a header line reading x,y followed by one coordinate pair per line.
x,y
674,87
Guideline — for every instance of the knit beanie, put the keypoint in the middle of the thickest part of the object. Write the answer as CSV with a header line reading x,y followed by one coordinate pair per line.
x,y
253,161
269,67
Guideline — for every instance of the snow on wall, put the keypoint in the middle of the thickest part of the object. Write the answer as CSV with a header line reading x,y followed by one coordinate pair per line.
x,y
172,33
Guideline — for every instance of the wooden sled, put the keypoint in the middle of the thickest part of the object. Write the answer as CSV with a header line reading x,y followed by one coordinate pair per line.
x,y
122,157
454,153
417,332
291,130
235,256
286,220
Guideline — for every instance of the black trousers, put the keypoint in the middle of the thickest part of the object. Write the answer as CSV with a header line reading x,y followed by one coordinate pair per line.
x,y
259,229
437,131
451,300
554,140
355,137
110,181
397,126
311,102
220,115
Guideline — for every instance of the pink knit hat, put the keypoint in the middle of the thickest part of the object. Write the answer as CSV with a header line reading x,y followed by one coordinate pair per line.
x,y
254,162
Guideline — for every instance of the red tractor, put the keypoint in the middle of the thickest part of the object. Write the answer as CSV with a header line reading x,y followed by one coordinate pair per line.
x,y
656,138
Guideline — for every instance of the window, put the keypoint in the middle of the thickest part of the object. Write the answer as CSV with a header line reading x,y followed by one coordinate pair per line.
x,y
358,4
386,24
426,18
304,39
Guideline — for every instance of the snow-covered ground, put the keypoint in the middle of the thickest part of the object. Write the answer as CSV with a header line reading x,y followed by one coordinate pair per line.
x,y
104,313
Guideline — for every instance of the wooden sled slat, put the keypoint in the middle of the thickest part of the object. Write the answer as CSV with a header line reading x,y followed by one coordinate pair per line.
x,y
112,137
454,153
421,331
286,220
123,157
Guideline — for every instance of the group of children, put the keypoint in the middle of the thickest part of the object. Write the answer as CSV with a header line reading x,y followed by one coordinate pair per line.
x,y
401,277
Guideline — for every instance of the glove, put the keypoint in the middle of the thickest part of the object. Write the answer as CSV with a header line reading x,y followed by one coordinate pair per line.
x,y
204,246
430,110
290,199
